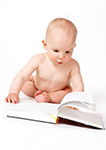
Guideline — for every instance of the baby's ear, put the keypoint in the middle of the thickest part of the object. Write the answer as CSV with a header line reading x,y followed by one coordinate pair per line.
x,y
75,45
44,44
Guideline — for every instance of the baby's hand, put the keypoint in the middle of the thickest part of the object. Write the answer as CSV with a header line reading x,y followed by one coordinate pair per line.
x,y
12,98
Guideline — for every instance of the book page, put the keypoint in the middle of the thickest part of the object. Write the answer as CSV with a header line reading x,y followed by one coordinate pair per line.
x,y
80,100
31,110
31,106
78,96
91,119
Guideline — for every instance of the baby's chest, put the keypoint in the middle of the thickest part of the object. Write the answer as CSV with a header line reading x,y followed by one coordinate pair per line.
x,y
52,74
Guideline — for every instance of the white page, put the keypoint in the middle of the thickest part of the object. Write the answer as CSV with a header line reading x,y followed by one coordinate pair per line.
x,y
80,100
78,96
31,106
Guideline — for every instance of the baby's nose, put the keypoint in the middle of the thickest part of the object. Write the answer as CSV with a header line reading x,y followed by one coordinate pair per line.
x,y
61,56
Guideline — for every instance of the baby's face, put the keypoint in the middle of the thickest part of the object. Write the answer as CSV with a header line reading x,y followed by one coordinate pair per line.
x,y
60,46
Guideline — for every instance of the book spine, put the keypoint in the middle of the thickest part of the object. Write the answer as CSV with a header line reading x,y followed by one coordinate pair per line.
x,y
56,118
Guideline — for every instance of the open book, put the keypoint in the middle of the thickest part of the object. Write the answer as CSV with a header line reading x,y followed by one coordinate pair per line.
x,y
75,106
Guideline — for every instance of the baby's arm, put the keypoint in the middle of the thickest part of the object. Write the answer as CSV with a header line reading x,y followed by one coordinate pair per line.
x,y
76,78
20,79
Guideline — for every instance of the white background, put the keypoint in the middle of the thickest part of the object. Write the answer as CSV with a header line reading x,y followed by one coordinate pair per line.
x,y
23,25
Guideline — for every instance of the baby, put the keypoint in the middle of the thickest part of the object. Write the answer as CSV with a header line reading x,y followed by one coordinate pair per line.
x,y
56,72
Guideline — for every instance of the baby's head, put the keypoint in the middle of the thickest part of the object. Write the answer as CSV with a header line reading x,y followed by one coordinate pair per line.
x,y
64,25
60,39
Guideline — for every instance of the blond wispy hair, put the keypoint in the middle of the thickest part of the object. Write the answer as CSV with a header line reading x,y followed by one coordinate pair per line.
x,y
62,23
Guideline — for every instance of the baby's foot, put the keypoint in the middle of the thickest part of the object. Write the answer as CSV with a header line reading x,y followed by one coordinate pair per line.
x,y
38,93
41,97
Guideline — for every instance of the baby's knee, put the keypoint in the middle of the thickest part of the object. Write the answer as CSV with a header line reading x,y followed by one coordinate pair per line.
x,y
68,89
31,78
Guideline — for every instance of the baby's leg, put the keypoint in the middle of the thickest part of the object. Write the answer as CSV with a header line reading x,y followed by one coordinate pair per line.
x,y
56,97
29,87
52,97
30,90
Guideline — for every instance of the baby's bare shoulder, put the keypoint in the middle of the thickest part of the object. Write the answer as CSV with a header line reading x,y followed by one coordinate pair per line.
x,y
36,60
74,66
38,57
74,63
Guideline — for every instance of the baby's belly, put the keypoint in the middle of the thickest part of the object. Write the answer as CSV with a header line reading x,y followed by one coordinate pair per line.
x,y
51,86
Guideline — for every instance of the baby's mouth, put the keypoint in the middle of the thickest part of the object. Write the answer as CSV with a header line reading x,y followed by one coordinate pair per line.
x,y
60,62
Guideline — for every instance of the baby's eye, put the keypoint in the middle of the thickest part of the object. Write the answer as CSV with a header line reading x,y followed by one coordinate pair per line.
x,y
67,52
56,51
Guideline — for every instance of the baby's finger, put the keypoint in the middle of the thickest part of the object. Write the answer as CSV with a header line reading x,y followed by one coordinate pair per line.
x,y
6,99
15,100
10,100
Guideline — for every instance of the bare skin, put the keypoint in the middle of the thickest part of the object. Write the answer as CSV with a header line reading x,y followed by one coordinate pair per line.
x,y
55,71
42,96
